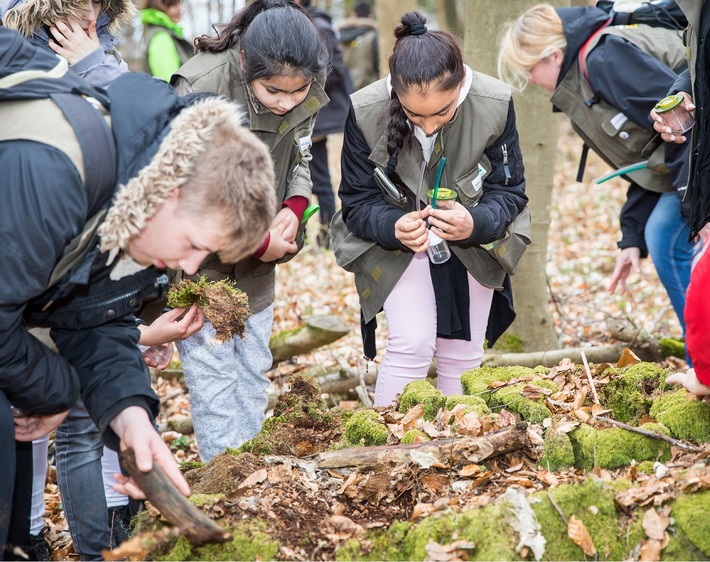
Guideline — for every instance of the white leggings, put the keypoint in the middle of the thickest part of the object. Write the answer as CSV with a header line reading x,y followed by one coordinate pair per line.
x,y
410,311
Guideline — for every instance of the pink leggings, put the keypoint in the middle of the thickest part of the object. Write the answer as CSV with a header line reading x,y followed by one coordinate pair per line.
x,y
410,311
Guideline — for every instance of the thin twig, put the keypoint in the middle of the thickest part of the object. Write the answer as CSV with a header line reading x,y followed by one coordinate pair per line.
x,y
652,434
557,508
589,377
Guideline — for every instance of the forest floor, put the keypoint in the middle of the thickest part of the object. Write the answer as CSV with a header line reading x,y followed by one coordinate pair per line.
x,y
582,248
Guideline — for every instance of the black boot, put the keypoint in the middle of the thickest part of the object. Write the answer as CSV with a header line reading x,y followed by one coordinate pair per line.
x,y
40,545
119,519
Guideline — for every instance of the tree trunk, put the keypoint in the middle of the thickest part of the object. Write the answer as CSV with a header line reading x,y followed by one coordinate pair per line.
x,y
446,453
447,12
388,14
538,138
318,331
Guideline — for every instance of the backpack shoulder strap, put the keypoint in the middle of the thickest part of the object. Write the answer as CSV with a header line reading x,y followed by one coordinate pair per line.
x,y
591,42
99,154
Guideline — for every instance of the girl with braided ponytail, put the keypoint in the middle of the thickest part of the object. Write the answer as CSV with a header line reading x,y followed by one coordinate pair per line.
x,y
271,60
432,106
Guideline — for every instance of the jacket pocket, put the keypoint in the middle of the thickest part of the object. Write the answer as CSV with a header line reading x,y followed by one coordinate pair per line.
x,y
510,249
470,186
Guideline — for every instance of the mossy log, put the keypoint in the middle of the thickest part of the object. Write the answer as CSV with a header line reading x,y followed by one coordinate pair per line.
x,y
160,491
180,425
445,453
552,357
318,331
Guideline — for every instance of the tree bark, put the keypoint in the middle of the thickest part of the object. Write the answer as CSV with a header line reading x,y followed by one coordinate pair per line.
x,y
447,453
447,12
538,129
318,331
160,491
388,14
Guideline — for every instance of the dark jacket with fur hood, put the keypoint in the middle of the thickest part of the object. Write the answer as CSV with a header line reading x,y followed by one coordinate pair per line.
x,y
45,204
32,17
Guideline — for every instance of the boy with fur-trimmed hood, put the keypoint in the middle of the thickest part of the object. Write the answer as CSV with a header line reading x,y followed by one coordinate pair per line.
x,y
82,31
189,180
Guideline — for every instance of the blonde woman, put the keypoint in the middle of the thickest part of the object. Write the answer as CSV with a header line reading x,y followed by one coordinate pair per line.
x,y
607,79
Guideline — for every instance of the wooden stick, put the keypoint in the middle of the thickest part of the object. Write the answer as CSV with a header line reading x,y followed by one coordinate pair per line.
x,y
589,378
652,434
160,491
557,508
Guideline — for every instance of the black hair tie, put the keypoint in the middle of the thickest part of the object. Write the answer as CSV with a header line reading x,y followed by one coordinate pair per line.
x,y
417,29
391,164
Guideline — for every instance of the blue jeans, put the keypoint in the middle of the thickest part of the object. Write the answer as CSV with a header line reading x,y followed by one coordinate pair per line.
x,y
667,241
227,383
78,457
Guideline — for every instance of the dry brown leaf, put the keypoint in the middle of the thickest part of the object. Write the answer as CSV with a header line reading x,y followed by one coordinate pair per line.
x,y
566,426
653,525
515,467
467,424
256,477
627,358
581,415
598,410
548,478
412,417
579,398
650,551
470,470
580,536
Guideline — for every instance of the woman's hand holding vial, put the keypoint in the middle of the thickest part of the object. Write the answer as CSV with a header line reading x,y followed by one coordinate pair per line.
x,y
673,116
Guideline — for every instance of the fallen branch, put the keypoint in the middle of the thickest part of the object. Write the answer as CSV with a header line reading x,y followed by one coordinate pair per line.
x,y
318,331
442,453
160,491
677,442
550,358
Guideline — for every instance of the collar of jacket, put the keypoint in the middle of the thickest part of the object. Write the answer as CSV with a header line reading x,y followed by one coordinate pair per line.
x,y
28,16
140,197
153,16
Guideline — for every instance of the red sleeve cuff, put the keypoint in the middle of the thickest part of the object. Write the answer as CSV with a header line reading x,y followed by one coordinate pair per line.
x,y
262,249
297,204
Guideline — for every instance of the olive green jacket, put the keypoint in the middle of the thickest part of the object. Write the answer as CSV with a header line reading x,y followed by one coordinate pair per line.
x,y
616,139
288,138
477,125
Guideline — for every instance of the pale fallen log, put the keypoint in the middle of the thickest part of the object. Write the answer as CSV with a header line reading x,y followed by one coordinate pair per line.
x,y
181,425
318,331
552,357
442,453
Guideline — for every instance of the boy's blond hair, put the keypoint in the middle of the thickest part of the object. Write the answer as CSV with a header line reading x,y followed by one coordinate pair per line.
x,y
527,41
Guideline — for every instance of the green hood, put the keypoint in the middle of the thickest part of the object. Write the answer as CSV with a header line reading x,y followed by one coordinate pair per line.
x,y
151,16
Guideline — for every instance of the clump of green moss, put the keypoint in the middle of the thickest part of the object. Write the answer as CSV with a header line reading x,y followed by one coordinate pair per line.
x,y
690,512
630,391
615,447
421,392
190,465
670,347
687,419
476,403
475,382
646,467
299,418
250,541
512,398
510,343
226,306
365,428
558,453
414,436
592,502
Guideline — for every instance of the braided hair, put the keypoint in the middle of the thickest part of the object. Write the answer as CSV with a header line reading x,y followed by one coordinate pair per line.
x,y
421,58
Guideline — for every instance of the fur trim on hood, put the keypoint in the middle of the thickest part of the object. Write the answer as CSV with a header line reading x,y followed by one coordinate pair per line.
x,y
27,16
172,166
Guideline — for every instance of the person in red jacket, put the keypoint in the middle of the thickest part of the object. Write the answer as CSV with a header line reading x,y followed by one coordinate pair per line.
x,y
697,335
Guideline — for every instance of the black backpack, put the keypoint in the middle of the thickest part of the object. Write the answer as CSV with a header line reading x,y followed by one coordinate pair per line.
x,y
656,13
